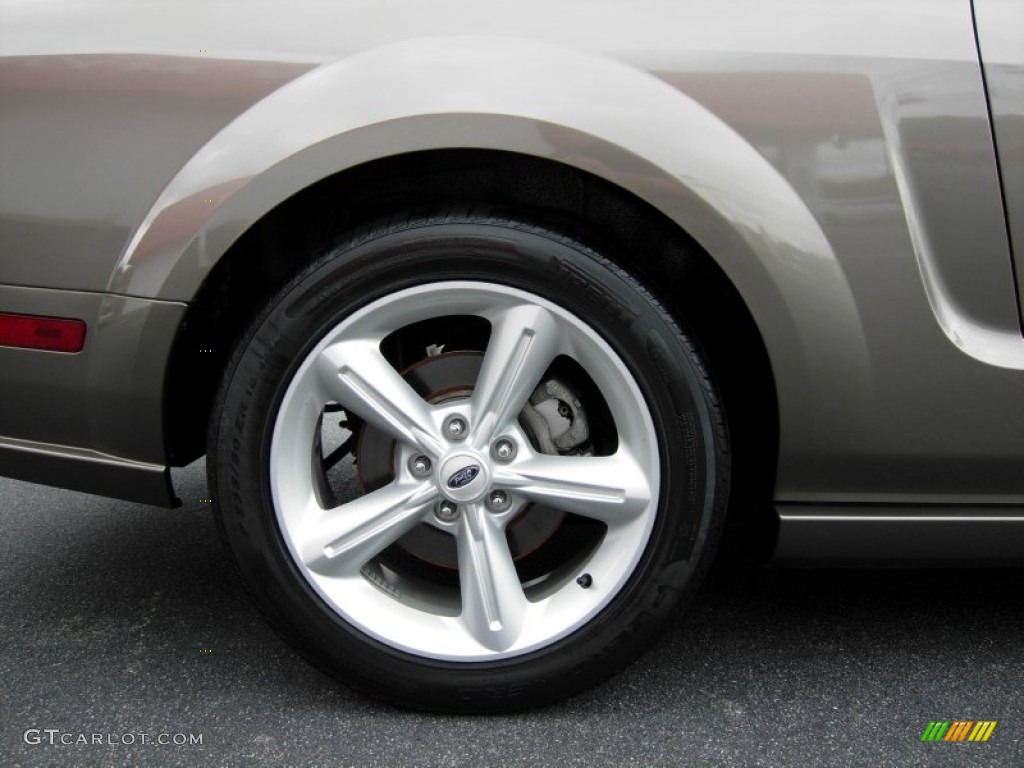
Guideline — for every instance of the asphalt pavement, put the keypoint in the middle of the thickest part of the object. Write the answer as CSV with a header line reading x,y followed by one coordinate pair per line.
x,y
123,626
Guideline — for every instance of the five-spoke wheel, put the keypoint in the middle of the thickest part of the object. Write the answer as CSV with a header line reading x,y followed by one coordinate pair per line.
x,y
466,466
467,463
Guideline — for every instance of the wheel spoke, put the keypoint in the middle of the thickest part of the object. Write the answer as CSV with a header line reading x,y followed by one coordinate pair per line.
x,y
358,376
344,538
493,603
349,552
524,341
612,489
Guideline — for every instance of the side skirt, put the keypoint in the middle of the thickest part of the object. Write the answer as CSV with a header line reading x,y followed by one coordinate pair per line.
x,y
80,469
855,535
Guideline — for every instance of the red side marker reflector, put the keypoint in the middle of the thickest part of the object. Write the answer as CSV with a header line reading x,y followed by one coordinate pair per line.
x,y
54,334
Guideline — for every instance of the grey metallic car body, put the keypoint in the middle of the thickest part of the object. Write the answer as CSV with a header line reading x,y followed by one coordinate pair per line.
x,y
842,163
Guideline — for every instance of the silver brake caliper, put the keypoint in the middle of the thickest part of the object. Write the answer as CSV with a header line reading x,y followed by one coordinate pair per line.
x,y
556,419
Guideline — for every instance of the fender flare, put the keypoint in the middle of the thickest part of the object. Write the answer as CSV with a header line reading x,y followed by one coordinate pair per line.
x,y
582,109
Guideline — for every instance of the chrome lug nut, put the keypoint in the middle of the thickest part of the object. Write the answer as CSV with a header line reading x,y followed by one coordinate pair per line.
x,y
498,501
504,449
455,427
446,511
419,466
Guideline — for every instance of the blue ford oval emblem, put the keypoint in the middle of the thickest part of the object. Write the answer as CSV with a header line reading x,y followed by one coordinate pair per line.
x,y
464,476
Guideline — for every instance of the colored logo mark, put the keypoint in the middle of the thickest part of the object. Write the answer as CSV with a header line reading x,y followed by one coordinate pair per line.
x,y
958,730
464,476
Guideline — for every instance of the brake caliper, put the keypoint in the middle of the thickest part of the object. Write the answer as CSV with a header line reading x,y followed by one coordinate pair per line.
x,y
556,420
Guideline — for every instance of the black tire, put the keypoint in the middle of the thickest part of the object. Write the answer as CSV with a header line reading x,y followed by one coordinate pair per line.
x,y
376,262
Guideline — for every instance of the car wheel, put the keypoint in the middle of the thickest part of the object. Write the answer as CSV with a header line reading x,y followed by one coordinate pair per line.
x,y
465,463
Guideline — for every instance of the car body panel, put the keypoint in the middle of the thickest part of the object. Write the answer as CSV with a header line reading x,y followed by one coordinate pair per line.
x,y
83,420
87,143
85,397
1000,25
840,170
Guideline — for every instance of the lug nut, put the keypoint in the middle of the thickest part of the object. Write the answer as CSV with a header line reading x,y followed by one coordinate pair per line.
x,y
504,449
419,466
446,511
455,427
498,501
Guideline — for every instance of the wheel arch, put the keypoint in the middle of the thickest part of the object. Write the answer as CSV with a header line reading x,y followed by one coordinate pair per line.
x,y
611,220
581,109
606,125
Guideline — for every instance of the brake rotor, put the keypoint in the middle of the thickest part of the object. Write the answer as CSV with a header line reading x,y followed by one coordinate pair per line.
x,y
439,379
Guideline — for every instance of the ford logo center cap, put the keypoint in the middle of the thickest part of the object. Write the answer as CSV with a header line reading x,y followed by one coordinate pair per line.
x,y
464,476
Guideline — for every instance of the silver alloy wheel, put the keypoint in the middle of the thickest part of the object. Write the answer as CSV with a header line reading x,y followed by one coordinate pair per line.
x,y
493,616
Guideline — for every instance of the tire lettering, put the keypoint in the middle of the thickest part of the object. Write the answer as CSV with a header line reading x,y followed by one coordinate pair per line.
x,y
592,291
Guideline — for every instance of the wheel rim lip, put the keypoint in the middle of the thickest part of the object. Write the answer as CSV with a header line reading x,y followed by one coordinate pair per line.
x,y
363,605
